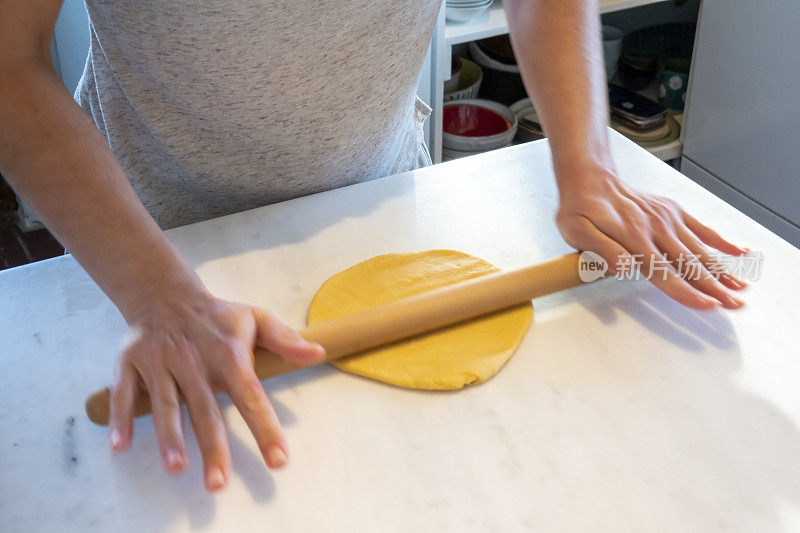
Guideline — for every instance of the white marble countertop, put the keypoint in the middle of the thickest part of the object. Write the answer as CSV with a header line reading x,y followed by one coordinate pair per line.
x,y
621,411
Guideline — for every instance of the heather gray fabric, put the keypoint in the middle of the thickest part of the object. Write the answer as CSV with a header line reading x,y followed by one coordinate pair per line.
x,y
214,107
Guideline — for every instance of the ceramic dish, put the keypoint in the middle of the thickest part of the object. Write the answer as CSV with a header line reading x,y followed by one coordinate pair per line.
x,y
477,125
654,134
528,126
501,82
469,82
455,75
498,48
674,133
484,59
465,12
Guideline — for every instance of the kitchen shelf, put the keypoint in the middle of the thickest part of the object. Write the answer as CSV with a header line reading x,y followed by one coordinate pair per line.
x,y
493,21
489,24
671,150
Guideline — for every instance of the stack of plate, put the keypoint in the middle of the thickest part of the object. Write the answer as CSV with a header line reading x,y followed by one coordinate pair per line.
x,y
528,127
465,10
652,137
640,119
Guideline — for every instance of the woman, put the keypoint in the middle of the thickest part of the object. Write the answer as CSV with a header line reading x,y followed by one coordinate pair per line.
x,y
189,110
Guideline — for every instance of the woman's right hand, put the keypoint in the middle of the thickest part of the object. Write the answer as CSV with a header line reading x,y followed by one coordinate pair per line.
x,y
189,344
182,341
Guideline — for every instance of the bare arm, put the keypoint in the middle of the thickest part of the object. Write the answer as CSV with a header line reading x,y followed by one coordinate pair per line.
x,y
56,159
557,44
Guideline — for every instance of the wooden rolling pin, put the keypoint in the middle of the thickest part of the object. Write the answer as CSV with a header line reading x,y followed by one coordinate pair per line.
x,y
395,321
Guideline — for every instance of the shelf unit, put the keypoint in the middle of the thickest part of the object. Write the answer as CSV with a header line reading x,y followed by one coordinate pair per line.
x,y
489,24
493,21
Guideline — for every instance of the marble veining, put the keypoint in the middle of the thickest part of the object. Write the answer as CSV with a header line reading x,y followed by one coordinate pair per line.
x,y
621,410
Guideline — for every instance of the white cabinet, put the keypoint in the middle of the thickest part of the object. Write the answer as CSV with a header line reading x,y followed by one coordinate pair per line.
x,y
742,125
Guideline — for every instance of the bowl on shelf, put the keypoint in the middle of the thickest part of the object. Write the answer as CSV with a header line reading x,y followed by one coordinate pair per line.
x,y
465,10
475,125
528,126
455,75
673,131
612,46
469,82
636,73
502,82
498,48
483,56
646,49
660,42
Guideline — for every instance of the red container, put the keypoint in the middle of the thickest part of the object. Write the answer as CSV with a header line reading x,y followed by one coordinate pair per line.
x,y
470,120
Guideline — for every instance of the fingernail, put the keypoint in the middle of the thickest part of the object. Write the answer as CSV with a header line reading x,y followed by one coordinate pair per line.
x,y
214,479
709,301
735,302
739,283
115,439
276,456
173,460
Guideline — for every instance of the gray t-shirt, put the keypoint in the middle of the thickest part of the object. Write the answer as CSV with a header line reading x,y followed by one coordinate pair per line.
x,y
214,107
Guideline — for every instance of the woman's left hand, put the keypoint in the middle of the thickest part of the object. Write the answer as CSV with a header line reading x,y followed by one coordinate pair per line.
x,y
600,213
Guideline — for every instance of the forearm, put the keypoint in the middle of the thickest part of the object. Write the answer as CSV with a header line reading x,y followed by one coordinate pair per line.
x,y
59,163
558,48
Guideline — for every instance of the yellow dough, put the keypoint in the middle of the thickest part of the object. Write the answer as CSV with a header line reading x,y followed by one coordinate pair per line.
x,y
448,359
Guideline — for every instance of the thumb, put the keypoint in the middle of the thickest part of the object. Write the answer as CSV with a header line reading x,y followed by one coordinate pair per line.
x,y
279,338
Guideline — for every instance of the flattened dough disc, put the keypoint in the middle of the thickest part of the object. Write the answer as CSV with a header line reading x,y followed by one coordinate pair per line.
x,y
448,359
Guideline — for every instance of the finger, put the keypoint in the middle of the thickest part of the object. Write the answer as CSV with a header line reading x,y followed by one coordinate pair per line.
x,y
714,267
208,425
248,395
122,399
711,237
166,409
277,337
662,274
583,231
690,269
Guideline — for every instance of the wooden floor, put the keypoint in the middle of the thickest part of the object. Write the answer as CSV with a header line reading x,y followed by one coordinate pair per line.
x,y
19,248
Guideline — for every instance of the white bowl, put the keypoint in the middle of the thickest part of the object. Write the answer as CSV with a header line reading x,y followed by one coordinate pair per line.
x,y
612,46
521,105
470,72
482,59
464,143
455,76
455,13
524,109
